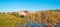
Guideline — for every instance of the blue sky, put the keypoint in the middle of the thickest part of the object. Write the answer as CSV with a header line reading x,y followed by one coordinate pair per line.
x,y
30,5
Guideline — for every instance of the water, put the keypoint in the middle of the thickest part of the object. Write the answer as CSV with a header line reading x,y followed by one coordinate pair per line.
x,y
40,25
58,25
36,25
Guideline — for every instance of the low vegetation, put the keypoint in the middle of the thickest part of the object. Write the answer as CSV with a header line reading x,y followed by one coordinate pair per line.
x,y
49,17
7,20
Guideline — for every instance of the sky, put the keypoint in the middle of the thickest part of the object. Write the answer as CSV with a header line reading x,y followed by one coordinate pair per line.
x,y
30,5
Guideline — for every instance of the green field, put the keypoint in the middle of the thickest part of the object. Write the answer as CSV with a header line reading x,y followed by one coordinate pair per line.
x,y
7,20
